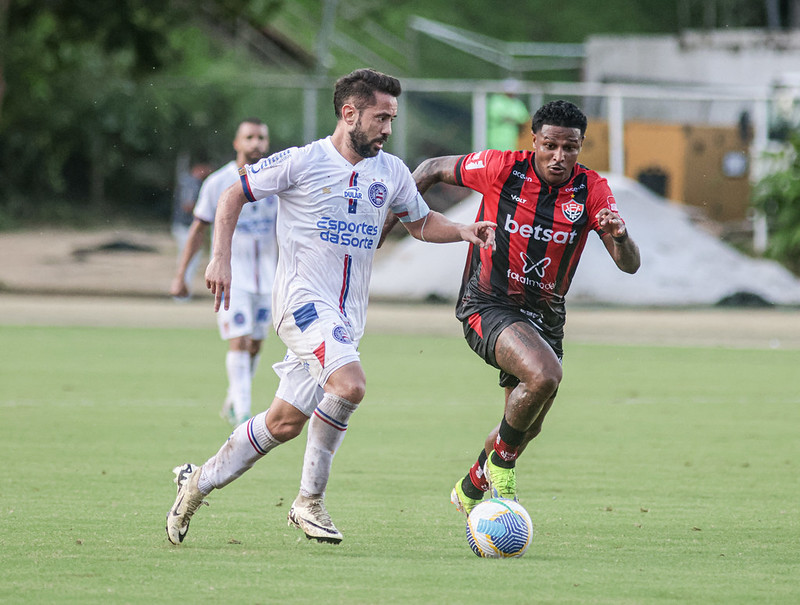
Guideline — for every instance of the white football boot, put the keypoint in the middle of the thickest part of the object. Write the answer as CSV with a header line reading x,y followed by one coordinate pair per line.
x,y
310,515
188,500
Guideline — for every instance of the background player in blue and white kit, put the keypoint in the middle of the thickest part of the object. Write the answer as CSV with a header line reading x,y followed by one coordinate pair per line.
x,y
335,194
254,253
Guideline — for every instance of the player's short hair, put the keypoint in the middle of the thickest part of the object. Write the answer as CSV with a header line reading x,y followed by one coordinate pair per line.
x,y
559,113
252,120
360,86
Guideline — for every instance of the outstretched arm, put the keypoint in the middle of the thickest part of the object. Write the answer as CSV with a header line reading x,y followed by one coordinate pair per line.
x,y
218,273
428,173
618,242
437,228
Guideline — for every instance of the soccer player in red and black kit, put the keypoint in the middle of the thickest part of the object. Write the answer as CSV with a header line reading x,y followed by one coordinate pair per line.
x,y
512,296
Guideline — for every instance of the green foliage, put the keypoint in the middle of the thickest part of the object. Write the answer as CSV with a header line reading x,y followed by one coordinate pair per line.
x,y
676,482
89,112
778,196
102,96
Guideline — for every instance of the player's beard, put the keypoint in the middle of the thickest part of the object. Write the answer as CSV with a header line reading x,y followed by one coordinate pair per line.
x,y
361,144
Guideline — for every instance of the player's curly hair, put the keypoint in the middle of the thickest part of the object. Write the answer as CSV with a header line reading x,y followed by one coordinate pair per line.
x,y
361,86
559,113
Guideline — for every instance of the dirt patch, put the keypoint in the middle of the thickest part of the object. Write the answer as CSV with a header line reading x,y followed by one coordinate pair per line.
x,y
121,262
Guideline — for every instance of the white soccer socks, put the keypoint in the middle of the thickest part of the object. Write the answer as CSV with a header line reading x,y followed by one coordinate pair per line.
x,y
254,360
247,444
325,434
240,382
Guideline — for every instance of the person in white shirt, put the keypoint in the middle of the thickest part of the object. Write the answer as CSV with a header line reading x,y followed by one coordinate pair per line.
x,y
334,196
254,255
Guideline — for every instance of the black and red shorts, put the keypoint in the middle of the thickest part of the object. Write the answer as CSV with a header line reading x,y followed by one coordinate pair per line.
x,y
484,322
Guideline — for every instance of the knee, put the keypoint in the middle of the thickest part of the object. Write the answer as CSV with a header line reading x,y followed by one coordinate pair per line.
x,y
353,391
542,382
348,382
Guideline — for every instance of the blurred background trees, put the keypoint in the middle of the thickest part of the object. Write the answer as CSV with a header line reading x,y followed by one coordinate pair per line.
x,y
98,98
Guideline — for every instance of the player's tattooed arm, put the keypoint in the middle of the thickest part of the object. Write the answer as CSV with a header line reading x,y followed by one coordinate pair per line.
x,y
436,170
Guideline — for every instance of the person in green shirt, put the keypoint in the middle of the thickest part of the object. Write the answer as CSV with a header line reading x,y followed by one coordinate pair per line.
x,y
507,116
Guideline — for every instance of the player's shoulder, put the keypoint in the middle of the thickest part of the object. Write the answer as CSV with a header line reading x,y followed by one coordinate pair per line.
x,y
588,173
393,162
595,182
274,160
492,159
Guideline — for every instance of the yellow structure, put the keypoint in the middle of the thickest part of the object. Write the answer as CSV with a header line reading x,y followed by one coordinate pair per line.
x,y
704,166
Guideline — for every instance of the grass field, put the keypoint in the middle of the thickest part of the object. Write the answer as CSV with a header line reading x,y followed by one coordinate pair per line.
x,y
664,475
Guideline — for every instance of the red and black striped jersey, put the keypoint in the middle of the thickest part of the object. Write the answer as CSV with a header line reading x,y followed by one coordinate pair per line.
x,y
541,230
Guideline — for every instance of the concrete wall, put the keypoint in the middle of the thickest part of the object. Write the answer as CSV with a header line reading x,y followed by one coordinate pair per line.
x,y
742,58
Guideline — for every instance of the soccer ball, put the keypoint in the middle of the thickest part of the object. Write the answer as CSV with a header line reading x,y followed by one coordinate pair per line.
x,y
499,528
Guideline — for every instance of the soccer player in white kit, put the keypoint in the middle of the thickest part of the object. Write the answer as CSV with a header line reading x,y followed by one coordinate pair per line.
x,y
254,255
334,196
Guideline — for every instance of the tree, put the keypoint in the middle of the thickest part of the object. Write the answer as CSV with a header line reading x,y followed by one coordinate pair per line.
x,y
88,106
778,196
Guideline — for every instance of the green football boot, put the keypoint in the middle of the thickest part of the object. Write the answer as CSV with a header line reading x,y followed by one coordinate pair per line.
x,y
463,503
502,481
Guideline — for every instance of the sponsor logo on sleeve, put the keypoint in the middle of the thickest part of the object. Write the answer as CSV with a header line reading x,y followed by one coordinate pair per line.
x,y
270,161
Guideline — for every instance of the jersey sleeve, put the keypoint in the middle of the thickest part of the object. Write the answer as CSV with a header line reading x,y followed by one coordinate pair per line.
x,y
600,196
206,206
268,176
479,169
408,205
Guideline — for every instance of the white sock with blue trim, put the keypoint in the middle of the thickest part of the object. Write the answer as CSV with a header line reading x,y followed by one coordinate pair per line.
x,y
326,432
248,443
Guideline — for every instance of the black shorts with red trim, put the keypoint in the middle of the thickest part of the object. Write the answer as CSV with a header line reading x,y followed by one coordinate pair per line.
x,y
484,319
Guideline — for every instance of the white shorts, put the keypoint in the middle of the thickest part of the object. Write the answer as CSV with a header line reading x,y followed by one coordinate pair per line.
x,y
321,338
297,386
247,315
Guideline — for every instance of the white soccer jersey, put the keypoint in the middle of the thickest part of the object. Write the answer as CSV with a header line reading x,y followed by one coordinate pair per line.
x,y
254,249
330,217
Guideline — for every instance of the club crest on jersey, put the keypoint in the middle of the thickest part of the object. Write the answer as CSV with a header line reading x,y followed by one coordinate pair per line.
x,y
377,194
340,334
572,210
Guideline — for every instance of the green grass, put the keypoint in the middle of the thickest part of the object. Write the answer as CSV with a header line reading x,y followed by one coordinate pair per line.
x,y
663,475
